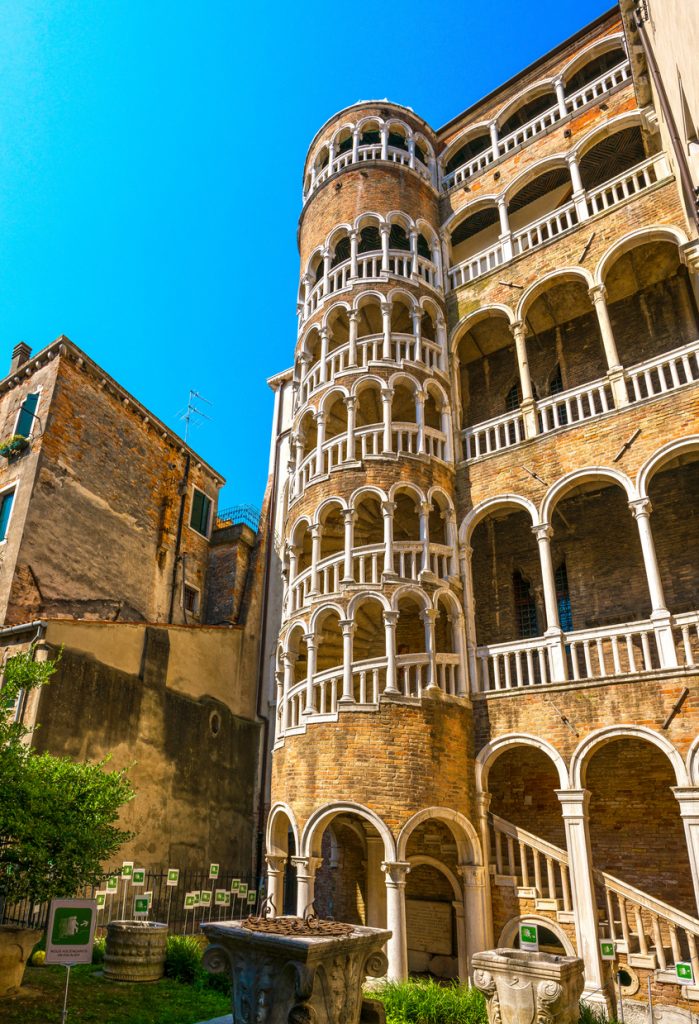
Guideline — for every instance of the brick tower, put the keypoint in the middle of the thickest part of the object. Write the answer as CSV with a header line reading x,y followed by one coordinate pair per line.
x,y
487,634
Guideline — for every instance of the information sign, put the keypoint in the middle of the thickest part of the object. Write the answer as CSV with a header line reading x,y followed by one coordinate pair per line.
x,y
140,906
127,869
173,876
607,949
138,876
190,900
235,885
252,896
100,900
529,937
112,884
71,931
205,898
222,898
213,870
684,972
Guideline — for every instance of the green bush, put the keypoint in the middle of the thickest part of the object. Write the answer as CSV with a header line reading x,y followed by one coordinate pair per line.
x,y
426,1002
98,949
183,958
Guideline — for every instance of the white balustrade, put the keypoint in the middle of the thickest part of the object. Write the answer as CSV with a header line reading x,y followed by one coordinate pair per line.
x,y
404,438
369,680
369,441
476,266
407,559
369,151
448,671
436,443
663,373
427,271
508,665
572,406
686,633
539,869
370,349
412,674
334,452
545,228
612,650
367,564
599,87
492,435
628,184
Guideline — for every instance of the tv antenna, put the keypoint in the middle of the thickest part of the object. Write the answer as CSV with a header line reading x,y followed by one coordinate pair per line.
x,y
192,415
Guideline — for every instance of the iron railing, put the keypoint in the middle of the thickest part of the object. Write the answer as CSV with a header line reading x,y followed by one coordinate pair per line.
x,y
247,514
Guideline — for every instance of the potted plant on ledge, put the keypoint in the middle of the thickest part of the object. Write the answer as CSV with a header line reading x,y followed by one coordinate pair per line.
x,y
57,821
13,446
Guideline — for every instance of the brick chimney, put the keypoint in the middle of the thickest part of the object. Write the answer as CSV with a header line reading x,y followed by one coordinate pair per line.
x,y
20,354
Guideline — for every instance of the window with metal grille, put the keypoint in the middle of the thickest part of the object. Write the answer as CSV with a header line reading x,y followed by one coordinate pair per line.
x,y
565,613
525,606
200,517
513,398
25,420
191,599
555,388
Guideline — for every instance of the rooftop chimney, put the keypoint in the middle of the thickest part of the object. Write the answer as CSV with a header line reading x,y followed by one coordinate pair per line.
x,y
20,354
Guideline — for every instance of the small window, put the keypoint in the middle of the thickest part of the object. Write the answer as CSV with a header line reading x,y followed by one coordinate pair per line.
x,y
25,420
201,513
191,600
513,398
525,607
565,612
6,500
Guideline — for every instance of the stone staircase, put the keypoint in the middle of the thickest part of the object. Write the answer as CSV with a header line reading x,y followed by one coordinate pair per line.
x,y
648,933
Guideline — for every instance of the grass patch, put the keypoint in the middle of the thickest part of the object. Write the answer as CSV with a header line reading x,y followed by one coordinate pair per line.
x,y
93,1000
426,1002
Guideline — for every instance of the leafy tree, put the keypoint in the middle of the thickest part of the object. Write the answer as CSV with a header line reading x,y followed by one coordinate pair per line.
x,y
58,818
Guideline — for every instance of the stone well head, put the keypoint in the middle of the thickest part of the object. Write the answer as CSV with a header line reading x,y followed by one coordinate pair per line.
x,y
306,979
521,987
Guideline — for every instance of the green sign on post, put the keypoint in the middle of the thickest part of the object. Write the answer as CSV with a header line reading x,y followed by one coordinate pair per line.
x,y
235,885
140,906
252,896
173,876
205,898
138,876
684,973
213,870
529,937
190,900
127,869
607,949
243,889
71,931
100,899
222,898
113,884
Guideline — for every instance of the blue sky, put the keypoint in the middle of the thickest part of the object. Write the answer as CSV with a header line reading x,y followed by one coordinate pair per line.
x,y
150,166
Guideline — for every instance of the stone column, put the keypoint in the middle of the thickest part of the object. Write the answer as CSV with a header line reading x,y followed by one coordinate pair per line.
x,y
519,333
320,441
574,805
615,373
310,639
417,334
660,616
388,508
289,659
348,516
411,152
689,254
353,317
384,142
351,405
386,399
483,806
347,627
275,883
561,97
465,557
386,326
452,538
375,886
315,558
413,253
425,509
553,633
442,342
397,945
324,342
306,284
327,257
390,619
688,799
331,158
429,617
505,230
420,398
355,146
579,196
385,230
478,915
306,868
494,140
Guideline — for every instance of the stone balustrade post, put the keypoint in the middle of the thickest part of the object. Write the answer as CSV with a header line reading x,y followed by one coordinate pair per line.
x,y
417,334
386,400
388,508
553,633
615,372
347,626
519,333
559,86
385,231
312,652
353,317
348,515
386,329
420,399
505,230
397,945
315,558
351,405
429,618
320,441
390,619
660,616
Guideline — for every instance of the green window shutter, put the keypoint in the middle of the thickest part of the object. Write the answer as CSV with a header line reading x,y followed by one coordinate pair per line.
x,y
201,511
25,421
5,509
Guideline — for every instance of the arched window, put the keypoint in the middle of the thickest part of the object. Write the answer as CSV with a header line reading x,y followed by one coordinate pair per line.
x,y
369,240
342,252
555,388
398,239
423,248
565,613
525,606
513,398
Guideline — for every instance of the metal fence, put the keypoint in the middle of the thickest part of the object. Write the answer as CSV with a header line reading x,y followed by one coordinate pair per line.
x,y
167,902
247,514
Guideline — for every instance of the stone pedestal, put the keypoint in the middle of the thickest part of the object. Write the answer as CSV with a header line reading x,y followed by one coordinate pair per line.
x,y
135,951
521,988
302,979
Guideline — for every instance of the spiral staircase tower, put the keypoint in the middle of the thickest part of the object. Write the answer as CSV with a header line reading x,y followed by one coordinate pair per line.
x,y
371,690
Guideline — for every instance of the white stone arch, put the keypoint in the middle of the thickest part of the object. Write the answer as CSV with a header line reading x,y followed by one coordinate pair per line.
x,y
424,227
510,931
473,131
466,211
339,231
328,503
418,859
369,293
471,319
568,482
331,396
693,763
438,492
553,160
291,530
600,737
367,595
611,42
396,122
313,832
369,119
602,131
530,92
450,599
406,487
363,489
403,377
660,457
323,609
422,141
289,630
432,385
316,252
491,751
431,306
544,283
399,292
274,823
649,233
344,127
410,590
484,509
368,219
468,844
402,219
363,382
